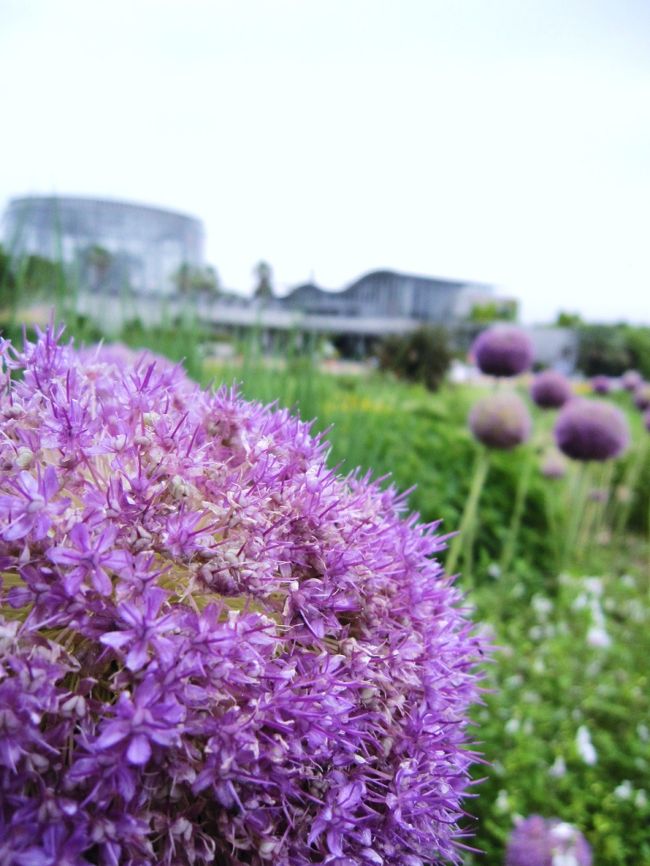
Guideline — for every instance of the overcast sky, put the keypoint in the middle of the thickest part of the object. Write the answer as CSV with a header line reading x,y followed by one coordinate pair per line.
x,y
505,141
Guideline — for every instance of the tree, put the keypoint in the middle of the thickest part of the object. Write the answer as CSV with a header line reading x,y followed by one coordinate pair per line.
x,y
568,320
7,280
264,288
422,356
189,279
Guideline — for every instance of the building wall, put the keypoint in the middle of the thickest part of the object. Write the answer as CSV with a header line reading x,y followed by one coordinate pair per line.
x,y
146,245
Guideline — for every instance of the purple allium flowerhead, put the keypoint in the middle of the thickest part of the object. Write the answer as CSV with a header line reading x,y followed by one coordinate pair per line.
x,y
503,350
642,396
631,380
500,421
591,430
550,389
601,384
213,648
538,841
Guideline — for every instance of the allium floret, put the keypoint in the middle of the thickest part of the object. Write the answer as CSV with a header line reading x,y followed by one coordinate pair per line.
x,y
642,396
631,380
214,649
550,389
538,841
500,421
591,430
601,384
503,350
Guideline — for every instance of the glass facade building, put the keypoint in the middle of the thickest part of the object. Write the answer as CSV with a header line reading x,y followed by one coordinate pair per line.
x,y
108,246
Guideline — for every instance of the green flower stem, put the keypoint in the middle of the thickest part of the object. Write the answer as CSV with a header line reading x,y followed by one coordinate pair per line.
x,y
520,500
577,504
631,476
465,531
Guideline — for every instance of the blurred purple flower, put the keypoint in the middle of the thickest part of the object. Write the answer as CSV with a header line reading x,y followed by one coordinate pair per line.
x,y
503,350
591,430
550,389
500,421
631,380
538,841
642,396
601,384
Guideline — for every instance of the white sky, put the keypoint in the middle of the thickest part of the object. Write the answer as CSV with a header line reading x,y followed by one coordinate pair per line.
x,y
506,141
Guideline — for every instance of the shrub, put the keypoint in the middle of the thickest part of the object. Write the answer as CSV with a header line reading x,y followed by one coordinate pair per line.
x,y
421,356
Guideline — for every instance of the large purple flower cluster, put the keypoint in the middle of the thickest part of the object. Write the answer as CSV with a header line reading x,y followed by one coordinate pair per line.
x,y
213,649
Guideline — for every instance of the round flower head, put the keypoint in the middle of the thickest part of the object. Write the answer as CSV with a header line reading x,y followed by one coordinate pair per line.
x,y
642,396
213,648
550,389
503,350
537,841
591,430
631,380
500,421
601,384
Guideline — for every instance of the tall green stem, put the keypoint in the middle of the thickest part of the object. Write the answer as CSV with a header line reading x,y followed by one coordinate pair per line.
x,y
520,500
468,519
578,501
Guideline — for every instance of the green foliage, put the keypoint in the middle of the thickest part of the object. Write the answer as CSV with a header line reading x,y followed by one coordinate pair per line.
x,y
613,349
505,310
190,279
553,675
180,340
568,320
422,356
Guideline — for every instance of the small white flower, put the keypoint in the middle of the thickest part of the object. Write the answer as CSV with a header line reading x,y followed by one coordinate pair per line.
x,y
585,747
594,585
643,732
597,637
564,832
557,768
502,802
542,605
494,570
641,799
566,859
624,791
512,726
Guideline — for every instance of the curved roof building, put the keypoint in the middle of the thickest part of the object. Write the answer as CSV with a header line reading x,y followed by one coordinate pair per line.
x,y
389,294
109,246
